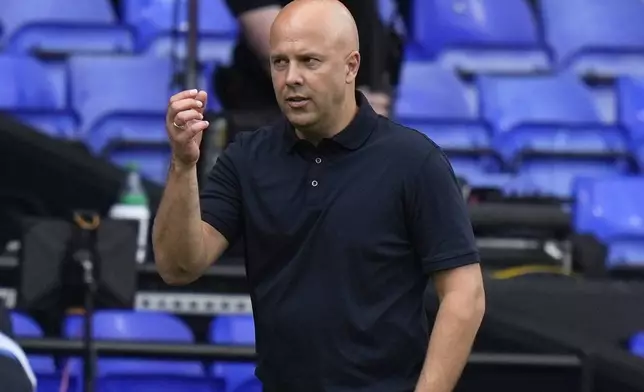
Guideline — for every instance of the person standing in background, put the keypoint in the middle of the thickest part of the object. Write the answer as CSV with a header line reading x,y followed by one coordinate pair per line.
x,y
246,83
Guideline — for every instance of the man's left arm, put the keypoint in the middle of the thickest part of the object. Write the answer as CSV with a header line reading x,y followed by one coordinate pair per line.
x,y
462,304
443,238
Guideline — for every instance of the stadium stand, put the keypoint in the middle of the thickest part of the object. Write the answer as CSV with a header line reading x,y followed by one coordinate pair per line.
x,y
481,36
124,374
630,92
63,26
551,160
590,36
607,209
30,95
127,125
235,329
535,118
160,26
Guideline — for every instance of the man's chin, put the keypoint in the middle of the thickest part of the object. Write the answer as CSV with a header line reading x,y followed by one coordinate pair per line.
x,y
300,119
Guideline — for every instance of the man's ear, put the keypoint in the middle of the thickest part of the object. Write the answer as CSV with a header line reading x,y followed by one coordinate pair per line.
x,y
352,65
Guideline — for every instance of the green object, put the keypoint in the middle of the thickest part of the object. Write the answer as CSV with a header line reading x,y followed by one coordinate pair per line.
x,y
132,167
133,193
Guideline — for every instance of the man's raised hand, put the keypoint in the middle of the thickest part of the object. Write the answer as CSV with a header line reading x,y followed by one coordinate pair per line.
x,y
185,124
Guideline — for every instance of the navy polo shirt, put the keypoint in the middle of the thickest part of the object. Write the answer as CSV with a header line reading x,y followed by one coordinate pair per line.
x,y
340,241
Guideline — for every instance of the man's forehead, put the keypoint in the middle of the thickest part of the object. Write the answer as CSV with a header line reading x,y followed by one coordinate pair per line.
x,y
301,38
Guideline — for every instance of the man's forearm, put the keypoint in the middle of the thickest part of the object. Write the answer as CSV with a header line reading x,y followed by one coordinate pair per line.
x,y
457,322
177,232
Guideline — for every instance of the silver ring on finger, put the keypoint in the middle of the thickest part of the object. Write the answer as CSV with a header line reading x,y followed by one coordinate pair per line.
x,y
178,126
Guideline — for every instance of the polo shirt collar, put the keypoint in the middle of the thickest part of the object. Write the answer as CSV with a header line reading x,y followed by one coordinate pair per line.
x,y
354,135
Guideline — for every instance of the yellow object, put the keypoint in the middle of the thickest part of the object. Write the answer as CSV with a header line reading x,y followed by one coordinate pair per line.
x,y
523,270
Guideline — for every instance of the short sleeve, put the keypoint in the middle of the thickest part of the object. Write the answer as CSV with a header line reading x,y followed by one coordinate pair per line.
x,y
220,199
238,7
437,216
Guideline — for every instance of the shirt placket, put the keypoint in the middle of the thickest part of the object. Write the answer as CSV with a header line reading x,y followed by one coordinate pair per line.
x,y
316,178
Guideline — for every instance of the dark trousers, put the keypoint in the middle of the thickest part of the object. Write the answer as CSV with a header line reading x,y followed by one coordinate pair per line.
x,y
13,376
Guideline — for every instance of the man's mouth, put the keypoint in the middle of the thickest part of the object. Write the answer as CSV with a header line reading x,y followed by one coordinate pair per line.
x,y
297,101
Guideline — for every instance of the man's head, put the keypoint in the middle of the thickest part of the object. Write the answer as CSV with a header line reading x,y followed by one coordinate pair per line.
x,y
314,62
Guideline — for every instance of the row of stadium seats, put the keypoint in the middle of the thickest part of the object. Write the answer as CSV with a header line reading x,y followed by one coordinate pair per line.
x,y
102,99
587,35
611,209
93,87
142,375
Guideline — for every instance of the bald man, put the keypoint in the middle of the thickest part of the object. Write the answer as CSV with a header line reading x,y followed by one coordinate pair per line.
x,y
345,216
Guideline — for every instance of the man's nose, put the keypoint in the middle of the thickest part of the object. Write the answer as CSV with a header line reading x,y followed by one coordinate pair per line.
x,y
293,75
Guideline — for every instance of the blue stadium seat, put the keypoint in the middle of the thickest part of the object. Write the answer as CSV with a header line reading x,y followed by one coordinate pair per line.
x,y
112,92
538,119
431,91
42,365
234,329
123,99
636,344
630,103
477,173
596,36
432,100
554,99
480,35
555,176
612,210
639,156
161,26
28,93
143,375
469,168
63,26
468,149
453,137
152,160
252,385
576,142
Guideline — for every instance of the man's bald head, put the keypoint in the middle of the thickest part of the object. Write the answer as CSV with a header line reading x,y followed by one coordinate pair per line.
x,y
329,18
314,64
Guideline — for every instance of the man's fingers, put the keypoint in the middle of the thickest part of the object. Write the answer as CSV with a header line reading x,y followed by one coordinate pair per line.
x,y
197,126
191,130
186,116
183,105
202,97
183,95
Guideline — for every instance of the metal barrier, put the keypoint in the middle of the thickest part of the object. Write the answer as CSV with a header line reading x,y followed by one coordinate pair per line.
x,y
241,353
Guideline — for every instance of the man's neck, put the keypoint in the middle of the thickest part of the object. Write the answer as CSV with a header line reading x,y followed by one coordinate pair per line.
x,y
327,131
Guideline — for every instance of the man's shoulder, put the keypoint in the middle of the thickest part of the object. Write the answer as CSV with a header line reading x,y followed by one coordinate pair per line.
x,y
261,139
407,141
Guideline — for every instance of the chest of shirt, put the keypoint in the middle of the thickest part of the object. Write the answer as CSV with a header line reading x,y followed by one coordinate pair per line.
x,y
350,196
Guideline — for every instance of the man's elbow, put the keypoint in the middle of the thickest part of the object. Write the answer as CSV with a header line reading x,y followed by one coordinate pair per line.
x,y
172,273
478,303
176,277
468,304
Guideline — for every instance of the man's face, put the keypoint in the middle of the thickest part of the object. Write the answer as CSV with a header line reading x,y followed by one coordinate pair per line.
x,y
308,72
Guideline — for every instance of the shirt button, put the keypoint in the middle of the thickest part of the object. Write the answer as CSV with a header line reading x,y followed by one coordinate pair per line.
x,y
314,183
318,160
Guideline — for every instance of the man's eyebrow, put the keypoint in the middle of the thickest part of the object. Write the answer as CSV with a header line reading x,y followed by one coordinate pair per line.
x,y
304,54
310,54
